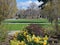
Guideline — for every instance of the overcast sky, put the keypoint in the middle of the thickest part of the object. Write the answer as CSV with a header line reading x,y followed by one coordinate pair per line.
x,y
23,4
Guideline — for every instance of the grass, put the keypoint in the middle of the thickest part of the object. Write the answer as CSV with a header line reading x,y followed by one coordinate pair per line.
x,y
59,21
41,20
22,26
15,26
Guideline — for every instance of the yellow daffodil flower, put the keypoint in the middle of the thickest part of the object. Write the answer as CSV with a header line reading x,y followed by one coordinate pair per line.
x,y
45,42
39,38
13,42
29,38
36,40
45,38
25,33
16,33
23,43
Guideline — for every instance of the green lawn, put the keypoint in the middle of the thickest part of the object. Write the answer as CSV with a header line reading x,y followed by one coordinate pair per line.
x,y
41,20
15,26
59,21
22,26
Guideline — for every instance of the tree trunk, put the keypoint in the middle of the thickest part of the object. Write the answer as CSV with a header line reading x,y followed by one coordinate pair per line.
x,y
56,23
55,13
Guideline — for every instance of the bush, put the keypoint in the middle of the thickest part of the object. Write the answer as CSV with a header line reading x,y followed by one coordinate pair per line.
x,y
35,29
50,31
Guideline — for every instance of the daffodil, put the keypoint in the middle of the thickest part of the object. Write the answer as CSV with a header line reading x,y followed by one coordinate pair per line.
x,y
23,43
29,39
45,42
36,40
41,42
33,36
45,38
16,33
25,33
39,38
14,42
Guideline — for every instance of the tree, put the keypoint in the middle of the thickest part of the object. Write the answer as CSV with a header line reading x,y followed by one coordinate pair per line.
x,y
32,5
31,12
4,12
44,2
48,12
12,8
54,6
56,13
7,8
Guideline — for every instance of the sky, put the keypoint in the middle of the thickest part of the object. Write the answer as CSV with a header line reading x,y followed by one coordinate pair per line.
x,y
23,4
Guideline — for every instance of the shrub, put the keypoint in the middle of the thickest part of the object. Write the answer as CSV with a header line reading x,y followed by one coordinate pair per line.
x,y
50,31
35,29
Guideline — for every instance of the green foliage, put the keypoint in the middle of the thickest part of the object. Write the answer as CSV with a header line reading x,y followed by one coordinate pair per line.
x,y
21,37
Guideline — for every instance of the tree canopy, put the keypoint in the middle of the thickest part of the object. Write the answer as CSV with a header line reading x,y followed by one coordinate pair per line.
x,y
44,2
7,8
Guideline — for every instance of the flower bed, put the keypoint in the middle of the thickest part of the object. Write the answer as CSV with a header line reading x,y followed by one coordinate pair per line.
x,y
24,38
